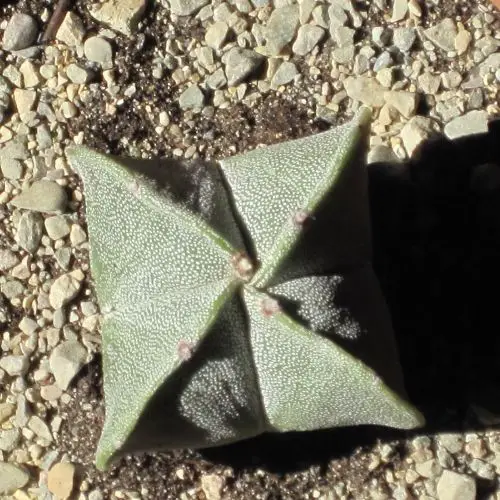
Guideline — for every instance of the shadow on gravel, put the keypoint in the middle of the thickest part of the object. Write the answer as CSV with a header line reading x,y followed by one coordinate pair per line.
x,y
436,233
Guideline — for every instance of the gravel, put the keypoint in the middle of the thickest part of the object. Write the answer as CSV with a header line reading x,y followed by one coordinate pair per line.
x,y
201,79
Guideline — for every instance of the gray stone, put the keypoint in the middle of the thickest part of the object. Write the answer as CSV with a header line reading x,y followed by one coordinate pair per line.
x,y
99,50
217,79
12,478
384,60
216,34
381,36
12,289
30,231
11,168
404,38
40,428
65,362
337,16
63,257
443,34
63,290
77,74
21,32
9,439
305,10
343,55
417,130
365,89
28,325
454,486
120,15
451,79
15,149
404,102
187,7
22,411
429,83
476,99
382,154
281,28
399,10
57,227
342,35
285,73
71,31
191,98
473,122
240,64
42,196
308,37
320,16
14,365
8,259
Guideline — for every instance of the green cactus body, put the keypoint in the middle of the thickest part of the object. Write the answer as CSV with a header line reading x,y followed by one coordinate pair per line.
x,y
238,297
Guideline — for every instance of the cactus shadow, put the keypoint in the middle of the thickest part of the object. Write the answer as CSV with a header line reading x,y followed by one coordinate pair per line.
x,y
436,251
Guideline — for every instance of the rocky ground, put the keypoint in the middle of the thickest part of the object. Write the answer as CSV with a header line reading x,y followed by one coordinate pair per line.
x,y
194,78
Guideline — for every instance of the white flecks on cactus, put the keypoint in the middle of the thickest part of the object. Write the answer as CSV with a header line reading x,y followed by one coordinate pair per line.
x,y
219,322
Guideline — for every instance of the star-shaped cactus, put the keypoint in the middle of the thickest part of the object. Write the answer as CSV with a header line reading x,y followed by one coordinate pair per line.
x,y
238,297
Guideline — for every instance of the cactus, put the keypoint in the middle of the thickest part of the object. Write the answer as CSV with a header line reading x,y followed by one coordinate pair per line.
x,y
238,297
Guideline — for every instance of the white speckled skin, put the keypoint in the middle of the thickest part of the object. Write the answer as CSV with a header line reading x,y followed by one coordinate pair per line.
x,y
191,357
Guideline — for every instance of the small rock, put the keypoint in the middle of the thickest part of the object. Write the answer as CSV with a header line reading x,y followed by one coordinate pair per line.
x,y
399,10
216,34
15,365
77,235
429,468
9,439
305,10
404,38
120,15
381,36
473,122
281,28
343,55
404,102
63,290
443,34
453,486
66,360
42,196
187,7
6,411
28,325
77,74
462,41
429,83
11,168
12,478
285,73
308,37
365,89
384,60
451,79
385,77
212,486
99,50
71,31
191,98
30,231
21,32
63,257
342,35
57,227
8,259
417,130
12,289
60,479
24,100
40,428
240,63
382,154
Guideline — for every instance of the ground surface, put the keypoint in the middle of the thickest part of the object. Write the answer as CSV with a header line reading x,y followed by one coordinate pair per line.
x,y
436,235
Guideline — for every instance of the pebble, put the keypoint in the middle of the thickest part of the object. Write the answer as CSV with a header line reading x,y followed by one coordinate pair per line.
x,y
99,50
462,41
212,486
60,479
40,428
21,32
63,290
366,90
285,73
12,478
216,34
8,259
30,231
451,79
8,439
308,37
28,325
342,35
42,196
382,154
77,74
385,77
429,83
454,486
11,168
24,99
381,36
399,10
77,235
240,63
72,31
404,102
66,360
384,60
404,38
15,365
281,29
191,98
187,7
57,227
473,122
6,411
417,130
121,15
443,34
